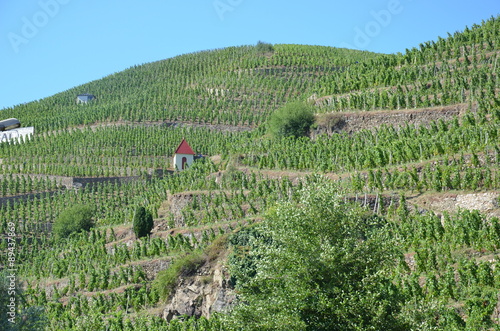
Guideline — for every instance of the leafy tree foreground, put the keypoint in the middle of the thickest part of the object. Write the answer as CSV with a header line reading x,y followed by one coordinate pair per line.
x,y
318,264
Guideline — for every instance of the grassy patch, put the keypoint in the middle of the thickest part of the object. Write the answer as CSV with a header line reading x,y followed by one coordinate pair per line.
x,y
218,246
185,265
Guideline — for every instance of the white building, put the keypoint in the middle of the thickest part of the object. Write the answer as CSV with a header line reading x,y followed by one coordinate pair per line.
x,y
17,135
183,156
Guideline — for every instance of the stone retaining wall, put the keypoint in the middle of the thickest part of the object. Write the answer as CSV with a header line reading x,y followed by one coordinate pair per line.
x,y
356,121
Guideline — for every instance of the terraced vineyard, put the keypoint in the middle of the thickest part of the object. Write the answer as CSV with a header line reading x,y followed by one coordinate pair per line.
x,y
336,230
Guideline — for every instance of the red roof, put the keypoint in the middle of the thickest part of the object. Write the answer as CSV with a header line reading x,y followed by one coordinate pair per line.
x,y
184,148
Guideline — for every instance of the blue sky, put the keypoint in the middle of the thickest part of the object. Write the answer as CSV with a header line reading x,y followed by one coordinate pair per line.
x,y
48,46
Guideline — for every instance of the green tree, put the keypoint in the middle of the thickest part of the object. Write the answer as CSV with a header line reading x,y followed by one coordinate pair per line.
x,y
143,222
264,47
320,266
74,219
293,120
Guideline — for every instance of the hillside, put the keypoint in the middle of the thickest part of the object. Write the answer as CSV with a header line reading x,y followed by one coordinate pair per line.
x,y
237,85
385,216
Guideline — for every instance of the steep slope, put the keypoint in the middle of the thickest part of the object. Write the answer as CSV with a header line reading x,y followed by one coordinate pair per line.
x,y
446,268
236,85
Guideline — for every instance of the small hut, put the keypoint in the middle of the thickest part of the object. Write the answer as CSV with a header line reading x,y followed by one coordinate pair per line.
x,y
84,98
183,156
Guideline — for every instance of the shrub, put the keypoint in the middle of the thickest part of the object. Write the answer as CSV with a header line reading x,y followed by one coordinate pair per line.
x,y
143,222
293,120
264,47
74,219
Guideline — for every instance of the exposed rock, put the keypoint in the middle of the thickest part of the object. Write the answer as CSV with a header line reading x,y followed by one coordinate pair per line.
x,y
202,294
484,202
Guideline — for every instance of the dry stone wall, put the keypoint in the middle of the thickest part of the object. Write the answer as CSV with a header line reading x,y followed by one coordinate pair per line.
x,y
357,121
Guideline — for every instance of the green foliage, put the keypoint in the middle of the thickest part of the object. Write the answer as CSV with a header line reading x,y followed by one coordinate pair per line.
x,y
432,315
243,266
16,315
143,222
76,218
186,264
323,269
264,47
293,120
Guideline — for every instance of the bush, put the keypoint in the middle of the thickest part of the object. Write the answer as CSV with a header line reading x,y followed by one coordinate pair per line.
x,y
293,120
74,219
143,222
264,47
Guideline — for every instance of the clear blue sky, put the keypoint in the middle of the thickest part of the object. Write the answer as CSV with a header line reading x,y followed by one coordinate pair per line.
x,y
48,46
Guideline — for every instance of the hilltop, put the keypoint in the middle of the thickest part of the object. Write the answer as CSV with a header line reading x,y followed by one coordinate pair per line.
x,y
236,85
384,216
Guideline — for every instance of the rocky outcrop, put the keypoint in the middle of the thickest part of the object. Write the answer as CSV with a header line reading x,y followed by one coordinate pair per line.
x,y
202,294
487,203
